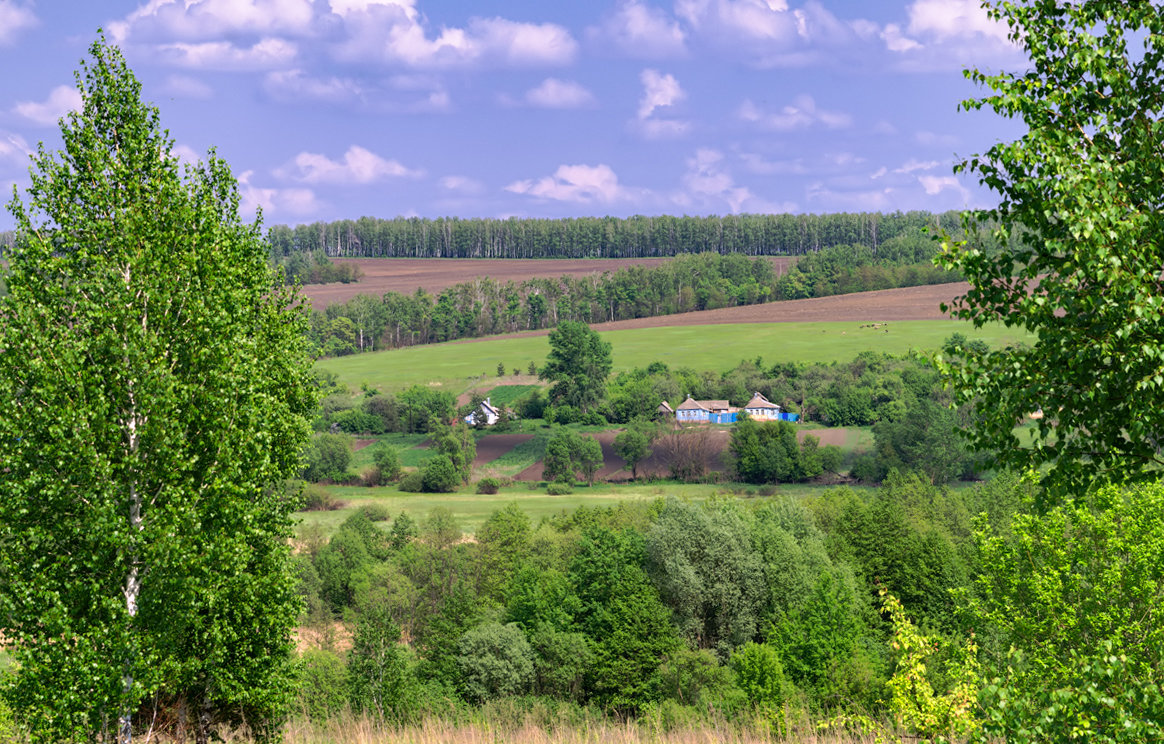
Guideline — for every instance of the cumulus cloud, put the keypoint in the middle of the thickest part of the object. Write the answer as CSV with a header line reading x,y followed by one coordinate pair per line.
x,y
708,185
559,94
223,55
800,114
946,19
60,101
13,20
937,184
294,201
639,30
358,166
912,165
659,91
395,33
580,184
213,19
297,85
943,34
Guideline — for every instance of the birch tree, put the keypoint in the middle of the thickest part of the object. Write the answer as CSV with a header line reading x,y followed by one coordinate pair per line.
x,y
155,386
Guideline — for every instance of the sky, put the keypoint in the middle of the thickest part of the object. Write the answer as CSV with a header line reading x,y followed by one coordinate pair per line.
x,y
337,109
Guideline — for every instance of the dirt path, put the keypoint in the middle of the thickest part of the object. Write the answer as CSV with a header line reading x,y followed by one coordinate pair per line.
x,y
495,445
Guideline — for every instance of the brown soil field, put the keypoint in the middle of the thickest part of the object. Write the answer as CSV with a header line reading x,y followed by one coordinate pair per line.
x,y
614,467
404,275
908,303
495,445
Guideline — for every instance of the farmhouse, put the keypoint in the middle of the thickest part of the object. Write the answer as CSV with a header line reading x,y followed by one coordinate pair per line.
x,y
721,412
491,414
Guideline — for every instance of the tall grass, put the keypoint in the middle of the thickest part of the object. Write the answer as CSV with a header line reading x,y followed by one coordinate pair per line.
x,y
363,730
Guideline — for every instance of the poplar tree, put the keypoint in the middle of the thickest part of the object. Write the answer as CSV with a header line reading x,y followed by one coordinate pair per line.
x,y
155,386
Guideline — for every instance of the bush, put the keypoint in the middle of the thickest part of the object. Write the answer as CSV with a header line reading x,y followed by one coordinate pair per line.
x,y
376,513
495,660
358,421
318,498
559,488
488,485
327,457
323,684
440,475
412,482
387,463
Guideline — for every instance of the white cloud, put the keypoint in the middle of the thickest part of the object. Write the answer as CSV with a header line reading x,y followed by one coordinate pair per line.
x,y
758,164
946,19
800,114
60,101
296,201
297,85
223,55
186,155
896,40
358,166
933,139
867,200
559,94
213,19
184,86
395,34
878,173
461,184
639,30
937,184
14,148
706,178
581,184
659,91
14,19
912,165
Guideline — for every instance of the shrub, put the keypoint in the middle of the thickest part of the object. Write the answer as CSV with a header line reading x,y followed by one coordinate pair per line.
x,y
318,498
387,463
488,485
440,475
323,684
495,660
327,457
376,513
559,488
412,482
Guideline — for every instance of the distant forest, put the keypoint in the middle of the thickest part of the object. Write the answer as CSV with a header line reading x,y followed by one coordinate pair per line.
x,y
599,237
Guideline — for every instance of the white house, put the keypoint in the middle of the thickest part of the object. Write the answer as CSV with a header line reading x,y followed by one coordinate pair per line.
x,y
491,414
762,409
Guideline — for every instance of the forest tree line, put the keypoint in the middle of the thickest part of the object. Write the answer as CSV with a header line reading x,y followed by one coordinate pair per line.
x,y
688,282
599,237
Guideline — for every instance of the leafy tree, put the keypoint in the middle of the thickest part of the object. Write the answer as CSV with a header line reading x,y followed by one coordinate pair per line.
x,y
578,365
495,661
1079,259
570,456
633,446
458,445
155,387
440,475
382,683
327,457
387,463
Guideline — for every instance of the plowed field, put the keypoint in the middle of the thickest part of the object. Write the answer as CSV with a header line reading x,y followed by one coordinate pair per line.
x,y
404,275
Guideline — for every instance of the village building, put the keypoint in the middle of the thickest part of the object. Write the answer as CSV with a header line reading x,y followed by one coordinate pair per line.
x,y
492,415
721,412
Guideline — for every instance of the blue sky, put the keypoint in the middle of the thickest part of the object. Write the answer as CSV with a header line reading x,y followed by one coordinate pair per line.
x,y
344,108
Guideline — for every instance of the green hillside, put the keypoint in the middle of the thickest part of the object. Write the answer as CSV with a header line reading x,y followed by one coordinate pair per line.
x,y
713,347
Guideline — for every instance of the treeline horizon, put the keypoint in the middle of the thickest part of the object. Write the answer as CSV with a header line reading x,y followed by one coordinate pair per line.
x,y
598,237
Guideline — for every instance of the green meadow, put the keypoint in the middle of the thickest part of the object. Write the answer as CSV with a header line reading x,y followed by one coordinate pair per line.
x,y
453,366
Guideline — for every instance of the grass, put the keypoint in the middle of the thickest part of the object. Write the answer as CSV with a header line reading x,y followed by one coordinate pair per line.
x,y
405,445
471,509
503,395
452,366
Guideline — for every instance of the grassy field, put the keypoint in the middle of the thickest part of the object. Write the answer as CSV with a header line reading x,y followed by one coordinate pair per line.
x,y
453,366
471,509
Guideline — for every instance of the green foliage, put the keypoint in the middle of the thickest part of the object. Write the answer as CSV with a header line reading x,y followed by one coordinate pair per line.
x,y
322,684
1078,221
767,452
701,560
1080,578
559,488
578,365
488,486
328,457
634,445
421,409
760,676
926,438
155,384
935,716
495,660
570,456
440,475
458,445
561,660
386,462
382,683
